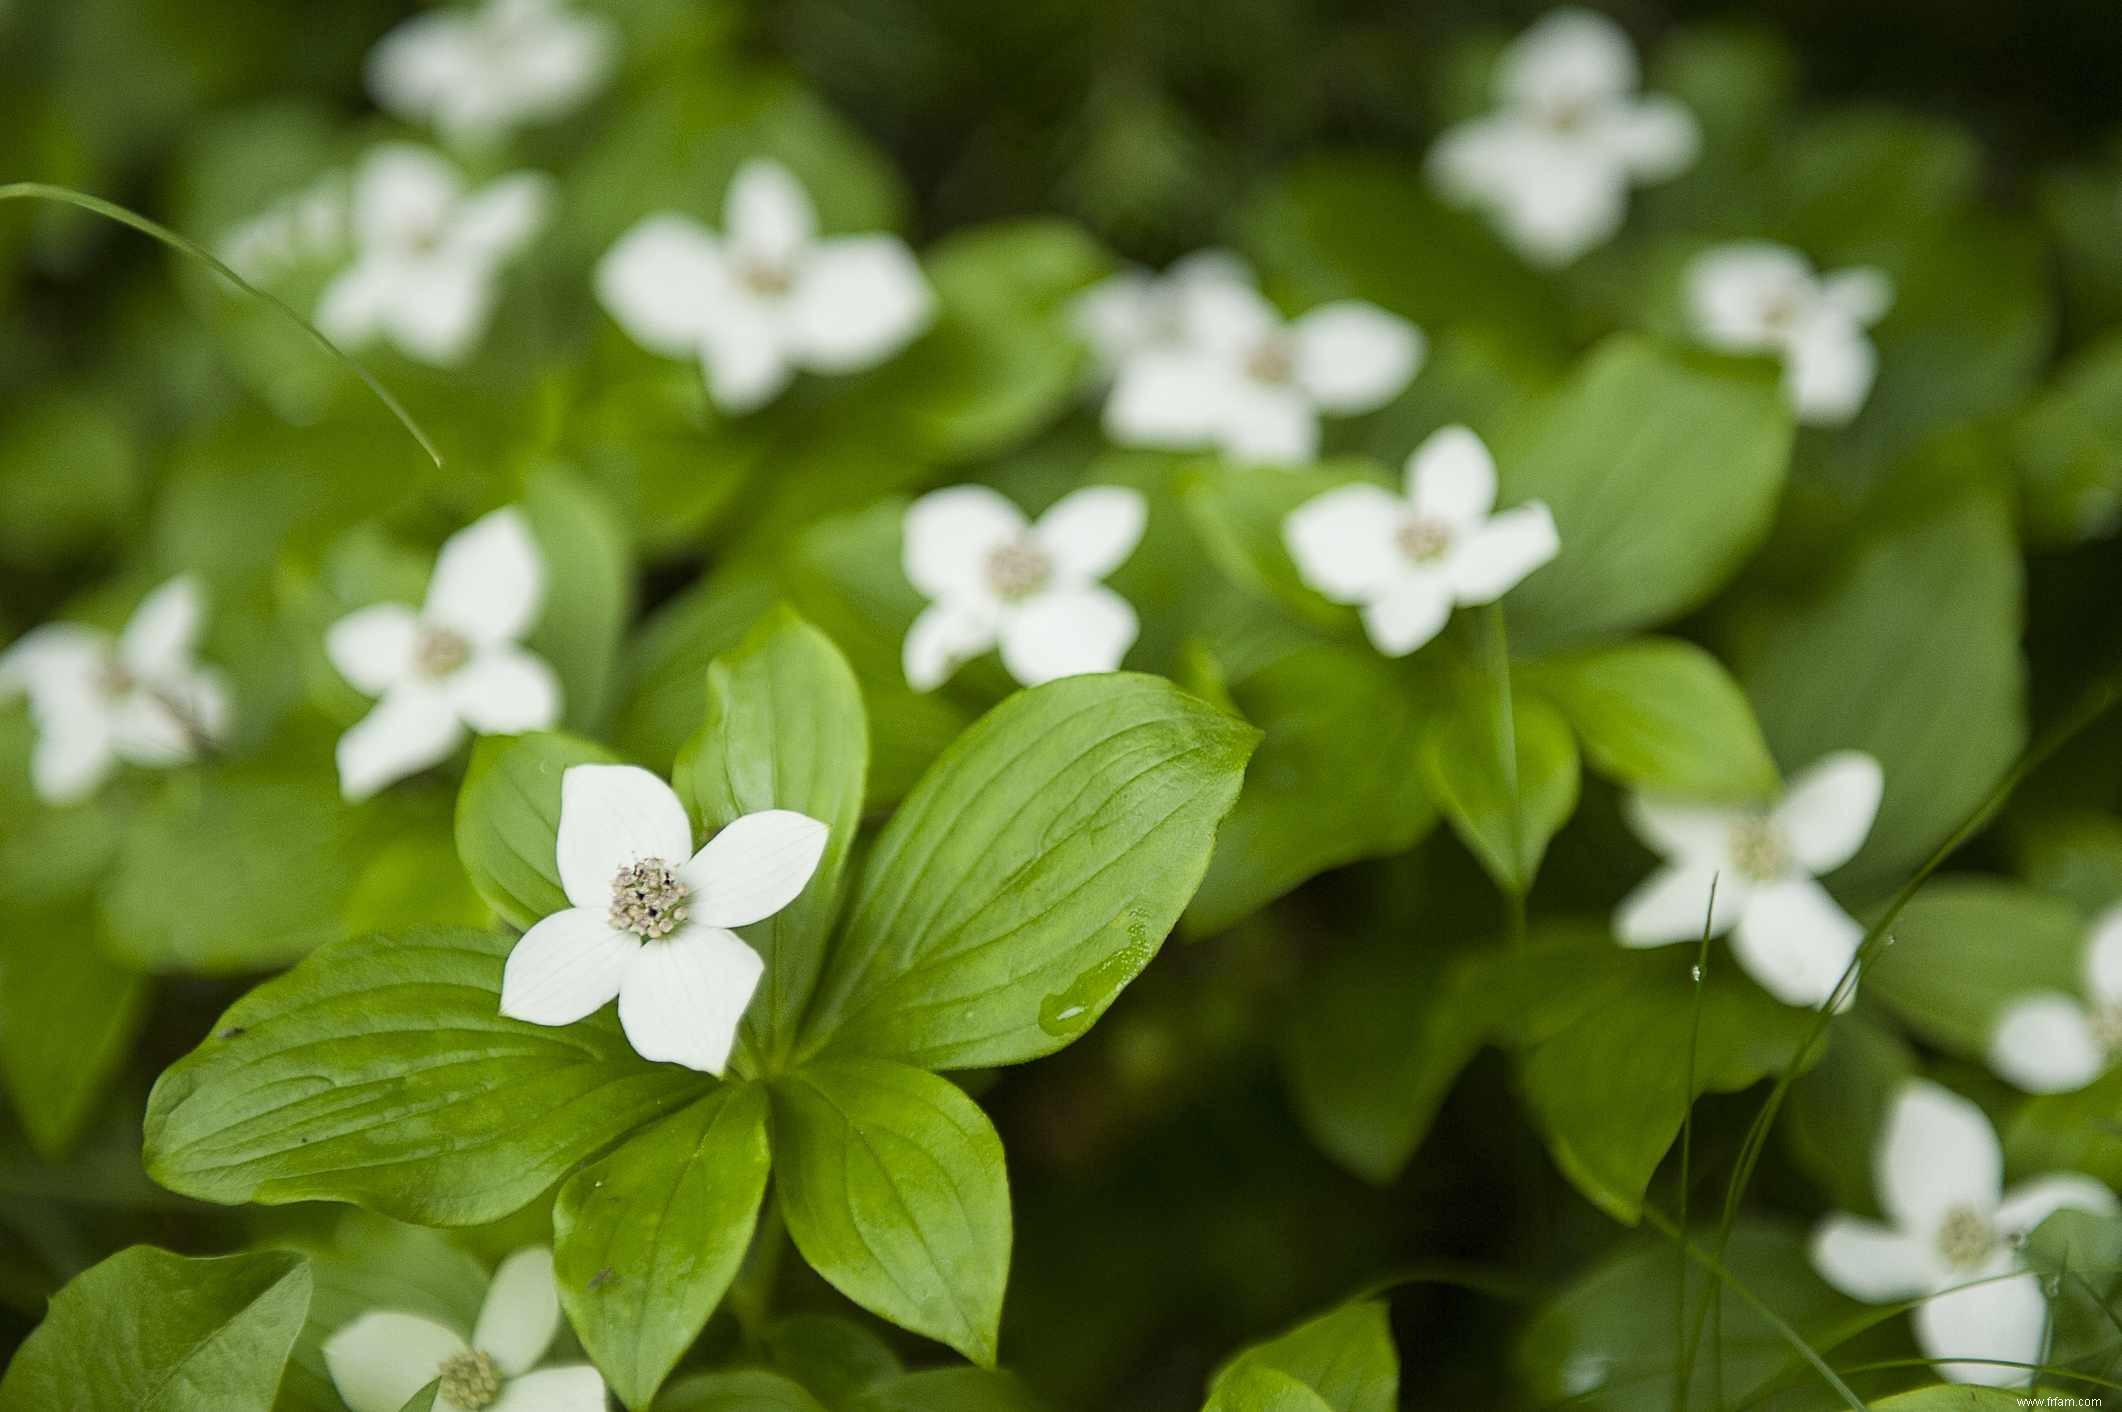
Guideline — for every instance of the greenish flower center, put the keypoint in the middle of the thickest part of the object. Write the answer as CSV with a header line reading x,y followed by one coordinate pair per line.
x,y
1422,539
470,1381
1757,850
648,899
1966,1238
115,678
1018,569
439,652
765,278
1271,361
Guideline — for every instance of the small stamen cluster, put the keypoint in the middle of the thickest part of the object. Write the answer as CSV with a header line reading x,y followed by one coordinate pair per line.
x,y
115,679
1423,540
648,899
1966,1238
1757,850
1018,569
1271,361
766,278
469,1380
440,652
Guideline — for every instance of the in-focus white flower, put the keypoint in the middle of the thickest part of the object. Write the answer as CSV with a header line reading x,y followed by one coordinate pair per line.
x,y
1407,560
382,1358
1553,165
1242,379
1032,589
427,253
455,663
1755,297
1787,932
140,697
2050,1042
1953,1237
651,921
476,72
1137,310
767,296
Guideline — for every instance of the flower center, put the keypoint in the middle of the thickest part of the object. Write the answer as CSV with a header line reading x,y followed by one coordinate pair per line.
x,y
1757,850
1271,361
1566,113
439,652
765,278
1422,539
1966,1238
647,899
470,1380
1018,569
114,679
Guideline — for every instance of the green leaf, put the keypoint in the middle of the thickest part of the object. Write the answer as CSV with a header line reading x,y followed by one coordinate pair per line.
x,y
69,474
1662,469
1662,716
588,592
785,730
68,1015
508,821
1260,1389
666,688
1031,875
1238,515
424,1400
747,1390
1346,1357
2073,853
948,1390
2067,448
1838,1108
893,1184
2069,1132
1505,811
380,1072
1965,948
647,1239
834,1357
149,1331
1953,1397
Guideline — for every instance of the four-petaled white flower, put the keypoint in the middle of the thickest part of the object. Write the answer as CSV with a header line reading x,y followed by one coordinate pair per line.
x,y
476,73
1755,297
1240,378
382,1358
140,697
427,253
767,296
1787,932
1554,165
651,921
1031,589
1953,1238
1407,560
2050,1042
1136,310
453,664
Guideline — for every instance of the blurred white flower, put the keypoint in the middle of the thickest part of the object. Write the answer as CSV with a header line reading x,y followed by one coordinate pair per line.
x,y
1553,165
381,1359
140,697
1407,560
476,72
1953,1238
2050,1042
1755,297
427,253
453,664
651,921
1032,589
308,227
1243,380
767,296
1788,934
1137,310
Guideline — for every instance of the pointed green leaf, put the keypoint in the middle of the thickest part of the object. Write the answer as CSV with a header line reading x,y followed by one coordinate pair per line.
x,y
948,1390
1345,1357
1505,811
68,1015
589,584
1661,716
1262,1389
508,821
746,1390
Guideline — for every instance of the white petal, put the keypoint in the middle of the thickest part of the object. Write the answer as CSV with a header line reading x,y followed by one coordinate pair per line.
x,y
1734,290
1117,316
753,868
1679,829
567,966
505,690
1571,56
948,633
858,300
2044,1043
745,362
1214,265
1088,533
1411,611
72,758
1795,941
2103,958
2030,1203
571,1387
1862,294
1352,357
410,729
1829,371
489,579
1672,904
1557,204
950,534
1169,398
353,305
1342,542
1827,811
1495,558
521,1313
1938,1152
681,1001
1875,1263
662,282
382,1358
2004,1320
767,214
1225,320
1065,632
501,217
145,729
1269,424
1452,478
163,633
372,647
415,66
437,311
1655,138
612,816
402,195
58,664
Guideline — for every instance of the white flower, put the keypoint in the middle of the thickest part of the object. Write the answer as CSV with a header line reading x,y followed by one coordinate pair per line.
x,y
992,579
1134,311
1754,297
651,921
1242,379
2049,1042
1406,561
1554,164
306,227
475,73
140,697
767,296
1953,1234
381,1359
455,663
1787,932
427,253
